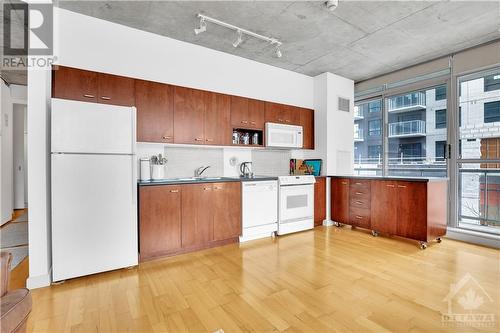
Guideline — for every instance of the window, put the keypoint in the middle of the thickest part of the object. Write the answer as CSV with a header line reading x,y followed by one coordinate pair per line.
x,y
492,112
492,82
374,106
440,93
410,151
374,127
374,152
441,118
440,150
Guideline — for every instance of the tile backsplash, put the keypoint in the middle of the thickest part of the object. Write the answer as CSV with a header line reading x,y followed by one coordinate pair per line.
x,y
183,161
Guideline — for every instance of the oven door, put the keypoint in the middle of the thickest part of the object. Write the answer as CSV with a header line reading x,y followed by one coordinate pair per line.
x,y
296,202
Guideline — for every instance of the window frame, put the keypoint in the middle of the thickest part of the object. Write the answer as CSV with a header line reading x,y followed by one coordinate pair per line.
x,y
440,123
495,83
496,116
379,130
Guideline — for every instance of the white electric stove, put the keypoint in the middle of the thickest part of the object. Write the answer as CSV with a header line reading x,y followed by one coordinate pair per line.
x,y
296,204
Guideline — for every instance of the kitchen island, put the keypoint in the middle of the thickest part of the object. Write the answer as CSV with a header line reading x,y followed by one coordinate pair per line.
x,y
414,208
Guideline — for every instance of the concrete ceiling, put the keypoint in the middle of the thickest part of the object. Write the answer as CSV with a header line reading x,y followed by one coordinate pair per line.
x,y
359,40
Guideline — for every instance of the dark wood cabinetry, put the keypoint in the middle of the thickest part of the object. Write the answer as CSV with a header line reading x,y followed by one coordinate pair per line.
x,y
189,115
281,114
247,113
405,208
155,111
217,119
160,220
173,114
196,215
226,210
182,218
319,200
340,200
306,120
75,84
115,90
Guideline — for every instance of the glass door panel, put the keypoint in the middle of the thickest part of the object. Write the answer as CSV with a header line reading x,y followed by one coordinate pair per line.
x,y
417,133
479,153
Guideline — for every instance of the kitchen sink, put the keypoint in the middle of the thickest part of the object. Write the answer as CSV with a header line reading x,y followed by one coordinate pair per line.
x,y
199,178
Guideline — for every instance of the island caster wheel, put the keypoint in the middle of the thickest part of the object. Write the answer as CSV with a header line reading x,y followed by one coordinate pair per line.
x,y
337,224
374,233
439,240
423,245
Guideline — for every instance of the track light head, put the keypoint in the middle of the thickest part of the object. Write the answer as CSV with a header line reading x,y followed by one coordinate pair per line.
x,y
278,52
239,39
202,28
331,5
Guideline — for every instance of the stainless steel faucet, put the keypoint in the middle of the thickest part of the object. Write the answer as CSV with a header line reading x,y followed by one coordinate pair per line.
x,y
198,172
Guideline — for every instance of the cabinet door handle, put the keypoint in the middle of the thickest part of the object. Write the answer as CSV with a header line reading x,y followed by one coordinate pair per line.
x,y
88,96
359,217
359,202
106,98
287,120
198,139
207,188
209,140
166,137
217,188
280,120
344,183
358,184
252,122
174,191
389,185
402,186
244,122
358,193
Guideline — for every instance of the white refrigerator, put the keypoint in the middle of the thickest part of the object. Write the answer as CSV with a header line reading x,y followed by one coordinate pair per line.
x,y
94,188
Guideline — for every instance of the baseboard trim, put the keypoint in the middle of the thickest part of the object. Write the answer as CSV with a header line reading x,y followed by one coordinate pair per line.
x,y
39,281
473,237
327,223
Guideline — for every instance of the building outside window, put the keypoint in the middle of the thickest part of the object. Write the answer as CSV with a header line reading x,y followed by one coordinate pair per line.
x,y
440,150
492,82
440,93
440,118
374,106
374,152
492,112
374,128
368,149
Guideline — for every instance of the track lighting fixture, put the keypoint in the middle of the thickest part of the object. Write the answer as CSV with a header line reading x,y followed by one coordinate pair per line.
x,y
239,39
331,5
278,52
202,28
239,31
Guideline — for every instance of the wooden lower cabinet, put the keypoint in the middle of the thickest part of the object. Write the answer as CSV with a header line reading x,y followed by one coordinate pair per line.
x,y
319,201
160,223
175,219
405,208
340,200
226,210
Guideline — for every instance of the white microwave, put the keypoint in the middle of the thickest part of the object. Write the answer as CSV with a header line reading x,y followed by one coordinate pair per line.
x,y
284,136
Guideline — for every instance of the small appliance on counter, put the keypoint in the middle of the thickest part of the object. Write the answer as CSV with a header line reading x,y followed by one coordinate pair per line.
x,y
158,163
246,170
145,166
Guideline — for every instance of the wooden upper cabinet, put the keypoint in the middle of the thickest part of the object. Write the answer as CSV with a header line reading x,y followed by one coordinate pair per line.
x,y
226,210
384,206
412,210
116,90
281,114
247,113
217,119
319,200
75,84
159,220
306,120
155,111
340,200
189,115
196,215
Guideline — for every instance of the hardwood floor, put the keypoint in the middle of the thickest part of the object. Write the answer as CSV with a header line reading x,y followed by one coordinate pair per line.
x,y
328,279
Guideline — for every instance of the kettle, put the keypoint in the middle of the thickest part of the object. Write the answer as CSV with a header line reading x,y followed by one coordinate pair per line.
x,y
246,169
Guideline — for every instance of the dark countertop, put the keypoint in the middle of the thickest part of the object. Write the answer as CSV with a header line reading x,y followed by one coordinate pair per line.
x,y
408,179
188,180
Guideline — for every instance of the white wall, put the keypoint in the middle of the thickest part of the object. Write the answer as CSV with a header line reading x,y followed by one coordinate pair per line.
x,y
90,43
6,182
39,233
